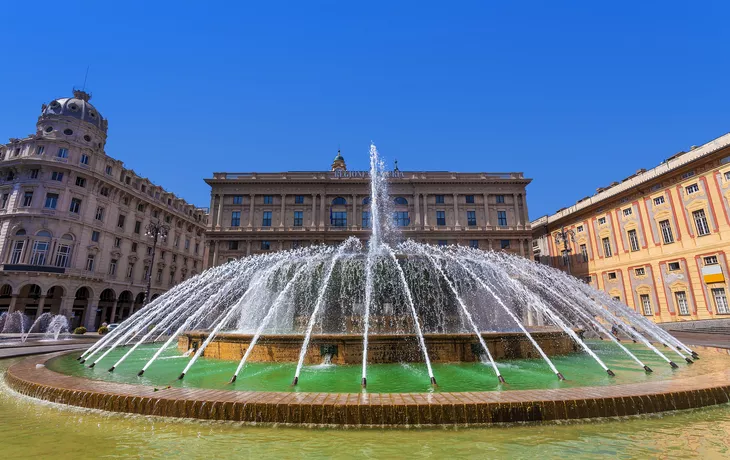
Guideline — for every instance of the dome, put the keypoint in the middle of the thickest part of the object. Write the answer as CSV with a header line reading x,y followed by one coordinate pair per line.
x,y
77,106
339,157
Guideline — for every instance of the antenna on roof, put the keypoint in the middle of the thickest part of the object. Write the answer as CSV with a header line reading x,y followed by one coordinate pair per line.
x,y
85,77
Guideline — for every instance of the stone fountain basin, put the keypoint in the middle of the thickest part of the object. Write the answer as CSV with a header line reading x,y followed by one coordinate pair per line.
x,y
382,348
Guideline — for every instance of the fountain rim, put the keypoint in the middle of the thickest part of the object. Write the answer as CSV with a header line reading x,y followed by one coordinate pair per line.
x,y
31,378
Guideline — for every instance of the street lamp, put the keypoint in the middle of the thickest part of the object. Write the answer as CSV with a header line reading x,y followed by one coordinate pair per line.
x,y
564,236
154,230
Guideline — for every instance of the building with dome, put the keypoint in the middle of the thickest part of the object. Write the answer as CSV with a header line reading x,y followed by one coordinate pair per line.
x,y
73,220
259,212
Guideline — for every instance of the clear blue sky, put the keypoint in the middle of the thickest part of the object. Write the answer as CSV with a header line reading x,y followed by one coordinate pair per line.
x,y
575,94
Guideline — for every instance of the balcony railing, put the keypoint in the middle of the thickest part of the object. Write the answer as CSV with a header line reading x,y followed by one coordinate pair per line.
x,y
32,268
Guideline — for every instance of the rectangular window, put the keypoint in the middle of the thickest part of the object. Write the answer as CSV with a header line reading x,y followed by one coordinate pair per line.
x,y
62,153
607,247
137,227
34,173
701,222
158,278
441,218
502,218
176,241
627,212
366,219
265,245
39,150
471,218
134,247
95,236
27,199
268,199
646,304
690,189
187,243
51,200
504,244
38,255
588,279
238,199
233,245
99,213
674,266
617,298
474,244
720,301
104,191
117,242
298,199
140,207
197,247
601,220
612,275
172,277
500,199
579,228
17,252
666,232
298,218
469,199
442,242
130,270
75,206
80,182
338,219
120,220
108,170
640,271
633,240
682,306
57,176
658,200
401,219
145,272
84,159
236,219
584,252
266,221
90,263
5,200
63,255
727,175
711,260
439,199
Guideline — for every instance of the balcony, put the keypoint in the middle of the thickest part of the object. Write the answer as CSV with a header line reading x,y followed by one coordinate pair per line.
x,y
32,268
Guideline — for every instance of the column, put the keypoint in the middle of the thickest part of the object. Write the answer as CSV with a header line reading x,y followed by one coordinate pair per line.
x,y
456,211
215,253
321,211
114,312
417,202
220,211
525,214
489,244
314,210
250,210
248,247
522,247
66,306
283,216
13,301
353,221
41,303
90,316
486,210
517,210
425,210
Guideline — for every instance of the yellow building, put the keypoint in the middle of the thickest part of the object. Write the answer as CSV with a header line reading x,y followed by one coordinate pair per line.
x,y
658,240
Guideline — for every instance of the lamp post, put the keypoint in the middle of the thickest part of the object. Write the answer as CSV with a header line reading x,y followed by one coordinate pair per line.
x,y
564,236
156,231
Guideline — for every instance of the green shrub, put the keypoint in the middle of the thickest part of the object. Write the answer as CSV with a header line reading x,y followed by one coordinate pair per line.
x,y
80,330
103,330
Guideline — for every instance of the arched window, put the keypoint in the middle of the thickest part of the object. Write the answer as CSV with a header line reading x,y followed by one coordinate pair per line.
x,y
339,201
366,201
401,201
41,245
63,252
20,232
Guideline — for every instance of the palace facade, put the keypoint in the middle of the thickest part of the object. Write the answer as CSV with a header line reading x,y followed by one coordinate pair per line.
x,y
259,212
658,240
72,223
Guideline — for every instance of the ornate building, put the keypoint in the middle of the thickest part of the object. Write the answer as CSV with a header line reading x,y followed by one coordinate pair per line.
x,y
72,223
258,212
657,240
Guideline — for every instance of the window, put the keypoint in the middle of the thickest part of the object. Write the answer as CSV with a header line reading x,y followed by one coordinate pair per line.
x,y
84,159
90,263
298,218
500,199
236,219
298,199
149,250
441,218
17,251
197,247
268,199
666,232
140,207
117,242
187,243
27,199
265,245
690,189
75,206
338,219
701,222
504,244
612,275
727,175
134,247
633,240
720,301
95,236
158,277
617,298
137,227
579,228
130,270
401,219
63,255
104,191
682,306
295,244
145,272
120,220
711,260
646,304
442,243
658,200
584,252
674,266
5,200
565,260
172,277
99,214
80,182
176,241
601,220
502,218
266,221
640,271
366,219
471,218
39,253
34,173
238,199
108,170
627,212
51,200
400,201
688,174
439,199
39,150
57,176
233,245
469,199
474,244
62,153
607,247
